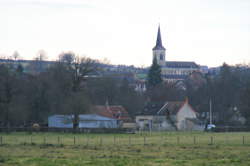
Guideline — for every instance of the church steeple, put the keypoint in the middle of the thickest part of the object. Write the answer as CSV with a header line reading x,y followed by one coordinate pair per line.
x,y
159,45
159,51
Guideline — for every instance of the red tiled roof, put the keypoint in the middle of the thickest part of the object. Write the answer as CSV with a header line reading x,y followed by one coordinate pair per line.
x,y
115,112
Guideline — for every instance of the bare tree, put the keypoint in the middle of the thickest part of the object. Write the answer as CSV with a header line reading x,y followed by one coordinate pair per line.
x,y
16,55
41,55
39,63
79,68
67,57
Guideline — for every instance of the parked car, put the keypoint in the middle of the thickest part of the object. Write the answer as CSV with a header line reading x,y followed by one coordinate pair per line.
x,y
210,127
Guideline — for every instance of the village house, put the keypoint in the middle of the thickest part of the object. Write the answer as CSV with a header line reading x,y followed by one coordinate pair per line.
x,y
153,119
178,115
183,116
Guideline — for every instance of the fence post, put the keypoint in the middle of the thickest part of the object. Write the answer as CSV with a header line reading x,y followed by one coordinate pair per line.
x,y
100,141
211,140
194,140
243,140
87,143
58,140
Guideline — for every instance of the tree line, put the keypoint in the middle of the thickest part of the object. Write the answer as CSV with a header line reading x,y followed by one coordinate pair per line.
x,y
229,94
71,86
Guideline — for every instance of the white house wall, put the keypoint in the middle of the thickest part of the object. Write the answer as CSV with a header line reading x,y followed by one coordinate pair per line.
x,y
185,112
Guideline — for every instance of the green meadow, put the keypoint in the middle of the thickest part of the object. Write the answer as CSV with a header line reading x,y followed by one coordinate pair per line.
x,y
141,149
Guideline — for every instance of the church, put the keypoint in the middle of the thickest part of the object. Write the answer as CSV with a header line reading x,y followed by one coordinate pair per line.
x,y
172,70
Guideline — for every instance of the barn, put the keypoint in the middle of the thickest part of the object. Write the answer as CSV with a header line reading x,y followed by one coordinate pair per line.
x,y
85,121
60,121
99,117
97,121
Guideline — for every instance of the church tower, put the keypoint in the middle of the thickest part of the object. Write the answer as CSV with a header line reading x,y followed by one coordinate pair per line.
x,y
159,50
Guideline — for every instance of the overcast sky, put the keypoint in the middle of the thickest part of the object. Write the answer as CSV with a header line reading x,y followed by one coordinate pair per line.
x,y
208,32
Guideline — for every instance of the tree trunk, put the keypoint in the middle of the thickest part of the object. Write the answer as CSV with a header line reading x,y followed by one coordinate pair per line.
x,y
75,123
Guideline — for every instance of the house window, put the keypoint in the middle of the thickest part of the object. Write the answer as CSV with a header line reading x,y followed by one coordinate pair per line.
x,y
161,57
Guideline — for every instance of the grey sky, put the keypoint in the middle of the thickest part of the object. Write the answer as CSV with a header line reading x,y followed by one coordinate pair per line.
x,y
208,32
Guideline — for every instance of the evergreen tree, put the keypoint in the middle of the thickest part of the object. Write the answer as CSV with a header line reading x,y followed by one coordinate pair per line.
x,y
154,75
19,69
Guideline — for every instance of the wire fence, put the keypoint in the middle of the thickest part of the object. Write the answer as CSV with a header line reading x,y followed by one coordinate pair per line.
x,y
124,140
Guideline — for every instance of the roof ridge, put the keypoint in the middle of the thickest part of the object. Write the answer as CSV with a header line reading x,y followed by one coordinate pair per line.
x,y
182,61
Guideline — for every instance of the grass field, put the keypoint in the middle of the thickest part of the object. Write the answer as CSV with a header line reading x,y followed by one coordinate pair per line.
x,y
168,149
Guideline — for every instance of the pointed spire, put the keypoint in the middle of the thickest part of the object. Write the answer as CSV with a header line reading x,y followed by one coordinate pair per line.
x,y
158,40
158,45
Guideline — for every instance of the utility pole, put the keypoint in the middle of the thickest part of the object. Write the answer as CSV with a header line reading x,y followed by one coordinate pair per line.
x,y
210,111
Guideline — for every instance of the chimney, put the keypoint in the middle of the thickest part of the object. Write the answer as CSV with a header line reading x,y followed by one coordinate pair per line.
x,y
107,105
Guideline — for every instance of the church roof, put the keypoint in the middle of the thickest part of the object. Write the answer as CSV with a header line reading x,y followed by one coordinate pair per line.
x,y
181,64
175,76
159,45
